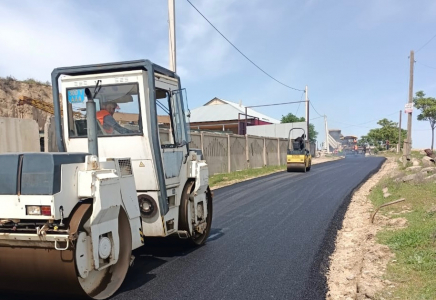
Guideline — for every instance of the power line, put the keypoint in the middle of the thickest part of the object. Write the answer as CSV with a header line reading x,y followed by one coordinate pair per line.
x,y
301,99
315,109
360,124
241,51
426,65
426,43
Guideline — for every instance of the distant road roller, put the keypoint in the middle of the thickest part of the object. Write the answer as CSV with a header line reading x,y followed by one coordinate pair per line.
x,y
70,220
298,157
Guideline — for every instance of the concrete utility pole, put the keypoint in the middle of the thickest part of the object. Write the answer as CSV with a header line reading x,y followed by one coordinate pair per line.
x,y
408,144
172,34
399,134
326,134
307,112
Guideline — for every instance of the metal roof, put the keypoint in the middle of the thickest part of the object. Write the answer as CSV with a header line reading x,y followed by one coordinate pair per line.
x,y
226,111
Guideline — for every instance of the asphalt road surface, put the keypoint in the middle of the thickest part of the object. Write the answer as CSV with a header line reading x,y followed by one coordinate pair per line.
x,y
271,238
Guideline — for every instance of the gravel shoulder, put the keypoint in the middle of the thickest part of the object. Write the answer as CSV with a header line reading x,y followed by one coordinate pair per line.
x,y
358,263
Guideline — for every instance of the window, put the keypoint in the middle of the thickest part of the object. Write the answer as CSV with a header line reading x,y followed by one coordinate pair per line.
x,y
118,110
173,126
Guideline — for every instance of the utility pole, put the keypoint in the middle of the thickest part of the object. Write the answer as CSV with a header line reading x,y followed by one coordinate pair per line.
x,y
399,135
172,34
307,112
408,144
326,134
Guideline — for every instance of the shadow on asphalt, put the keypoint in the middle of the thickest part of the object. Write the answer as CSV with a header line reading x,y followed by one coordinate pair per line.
x,y
155,253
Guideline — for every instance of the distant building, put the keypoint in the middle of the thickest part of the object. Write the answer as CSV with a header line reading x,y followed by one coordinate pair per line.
x,y
223,115
279,130
335,142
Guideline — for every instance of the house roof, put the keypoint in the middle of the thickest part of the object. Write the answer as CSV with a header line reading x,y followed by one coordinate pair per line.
x,y
222,110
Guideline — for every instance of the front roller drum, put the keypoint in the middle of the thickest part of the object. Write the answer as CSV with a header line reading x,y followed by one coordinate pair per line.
x,y
50,271
185,212
296,167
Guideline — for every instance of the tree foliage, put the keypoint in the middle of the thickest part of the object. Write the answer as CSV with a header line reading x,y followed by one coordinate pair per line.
x,y
388,131
291,118
427,106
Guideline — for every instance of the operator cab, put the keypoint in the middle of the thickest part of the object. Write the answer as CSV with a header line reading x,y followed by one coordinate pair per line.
x,y
129,98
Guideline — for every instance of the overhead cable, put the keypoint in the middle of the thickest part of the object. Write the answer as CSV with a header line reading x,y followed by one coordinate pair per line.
x,y
426,65
426,43
315,109
241,51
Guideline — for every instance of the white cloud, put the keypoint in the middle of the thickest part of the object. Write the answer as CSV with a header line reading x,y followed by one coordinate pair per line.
x,y
34,43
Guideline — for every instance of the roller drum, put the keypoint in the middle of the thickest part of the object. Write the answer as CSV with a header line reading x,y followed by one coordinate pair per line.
x,y
296,167
49,271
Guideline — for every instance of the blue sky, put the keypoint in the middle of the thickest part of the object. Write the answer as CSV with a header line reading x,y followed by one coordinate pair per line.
x,y
353,55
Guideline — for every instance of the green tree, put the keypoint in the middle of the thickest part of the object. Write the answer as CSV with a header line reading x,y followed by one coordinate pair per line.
x,y
427,106
388,131
291,118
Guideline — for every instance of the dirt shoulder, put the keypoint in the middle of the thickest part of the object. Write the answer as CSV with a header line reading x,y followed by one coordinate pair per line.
x,y
358,262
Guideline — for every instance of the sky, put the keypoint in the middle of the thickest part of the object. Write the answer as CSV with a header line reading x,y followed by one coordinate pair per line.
x,y
352,55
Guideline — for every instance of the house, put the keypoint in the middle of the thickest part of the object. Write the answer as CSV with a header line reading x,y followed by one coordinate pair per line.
x,y
222,115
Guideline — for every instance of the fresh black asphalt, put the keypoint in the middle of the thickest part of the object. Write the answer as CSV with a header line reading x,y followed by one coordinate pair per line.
x,y
271,238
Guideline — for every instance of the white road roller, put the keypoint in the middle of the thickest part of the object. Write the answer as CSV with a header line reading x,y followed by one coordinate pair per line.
x,y
70,220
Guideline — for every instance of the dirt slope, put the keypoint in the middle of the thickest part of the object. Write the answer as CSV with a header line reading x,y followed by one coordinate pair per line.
x,y
11,90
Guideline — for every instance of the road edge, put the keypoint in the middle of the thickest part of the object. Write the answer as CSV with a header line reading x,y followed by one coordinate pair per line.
x,y
316,287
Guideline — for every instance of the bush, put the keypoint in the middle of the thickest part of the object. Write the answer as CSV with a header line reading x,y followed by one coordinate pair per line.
x,y
8,83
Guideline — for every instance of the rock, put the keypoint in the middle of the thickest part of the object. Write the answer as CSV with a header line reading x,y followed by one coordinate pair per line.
x,y
429,170
406,178
398,222
401,159
430,178
415,162
414,168
385,190
428,161
351,277
387,195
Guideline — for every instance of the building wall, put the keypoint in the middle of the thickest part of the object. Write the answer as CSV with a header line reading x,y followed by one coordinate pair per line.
x,y
278,130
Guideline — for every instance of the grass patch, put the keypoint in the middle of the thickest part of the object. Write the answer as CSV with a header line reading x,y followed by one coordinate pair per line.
x,y
222,179
414,267
32,81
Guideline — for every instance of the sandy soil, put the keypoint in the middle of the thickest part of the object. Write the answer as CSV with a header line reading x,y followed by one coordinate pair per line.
x,y
358,262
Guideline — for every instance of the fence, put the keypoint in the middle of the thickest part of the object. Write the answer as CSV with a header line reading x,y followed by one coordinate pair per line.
x,y
223,152
229,152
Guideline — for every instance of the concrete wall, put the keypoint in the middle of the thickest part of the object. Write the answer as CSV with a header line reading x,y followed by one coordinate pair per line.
x,y
277,130
19,135
224,153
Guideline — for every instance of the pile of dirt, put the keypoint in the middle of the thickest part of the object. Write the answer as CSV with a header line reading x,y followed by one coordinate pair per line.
x,y
358,262
11,90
